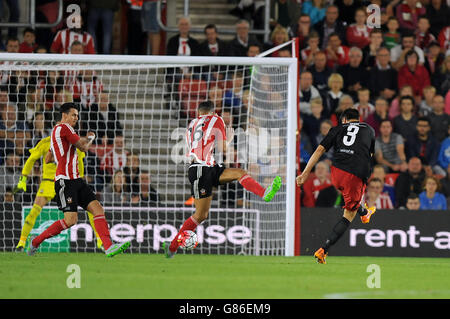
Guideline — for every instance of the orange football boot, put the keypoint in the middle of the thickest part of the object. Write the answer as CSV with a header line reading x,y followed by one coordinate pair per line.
x,y
370,211
320,255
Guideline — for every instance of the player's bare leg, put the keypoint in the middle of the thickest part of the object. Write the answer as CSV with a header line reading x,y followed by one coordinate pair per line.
x,y
39,203
102,229
202,206
70,219
238,174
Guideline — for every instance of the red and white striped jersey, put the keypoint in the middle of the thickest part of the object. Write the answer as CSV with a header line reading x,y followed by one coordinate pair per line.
x,y
64,39
87,92
201,136
444,38
382,202
64,151
113,161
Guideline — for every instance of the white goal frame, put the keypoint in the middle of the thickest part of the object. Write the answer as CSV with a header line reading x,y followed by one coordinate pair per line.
x,y
291,63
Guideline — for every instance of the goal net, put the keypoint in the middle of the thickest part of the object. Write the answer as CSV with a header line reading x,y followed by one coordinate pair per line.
x,y
139,107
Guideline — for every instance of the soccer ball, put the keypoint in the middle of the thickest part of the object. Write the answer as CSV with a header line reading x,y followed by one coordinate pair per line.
x,y
188,240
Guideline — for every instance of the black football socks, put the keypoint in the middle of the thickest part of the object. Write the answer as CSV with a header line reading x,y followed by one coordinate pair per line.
x,y
337,232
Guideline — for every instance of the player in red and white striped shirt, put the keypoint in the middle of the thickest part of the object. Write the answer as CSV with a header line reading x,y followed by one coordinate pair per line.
x,y
203,133
71,190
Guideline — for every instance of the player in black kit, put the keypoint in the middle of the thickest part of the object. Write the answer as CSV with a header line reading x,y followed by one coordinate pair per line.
x,y
354,144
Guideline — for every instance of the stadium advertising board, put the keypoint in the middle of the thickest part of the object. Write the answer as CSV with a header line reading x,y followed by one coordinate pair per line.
x,y
226,231
400,233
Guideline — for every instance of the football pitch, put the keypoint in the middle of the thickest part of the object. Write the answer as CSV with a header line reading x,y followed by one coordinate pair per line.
x,y
152,276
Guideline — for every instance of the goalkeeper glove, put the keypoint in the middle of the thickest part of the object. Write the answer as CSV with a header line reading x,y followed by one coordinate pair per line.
x,y
22,185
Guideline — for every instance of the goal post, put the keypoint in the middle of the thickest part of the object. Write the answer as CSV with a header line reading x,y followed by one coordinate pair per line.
x,y
155,97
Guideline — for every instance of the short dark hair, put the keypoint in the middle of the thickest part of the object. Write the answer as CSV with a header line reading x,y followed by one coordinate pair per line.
x,y
376,180
29,30
210,26
407,97
412,196
385,120
411,52
424,119
206,106
76,42
14,39
350,114
66,107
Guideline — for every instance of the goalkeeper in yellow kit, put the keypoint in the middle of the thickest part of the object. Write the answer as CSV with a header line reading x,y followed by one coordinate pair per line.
x,y
46,190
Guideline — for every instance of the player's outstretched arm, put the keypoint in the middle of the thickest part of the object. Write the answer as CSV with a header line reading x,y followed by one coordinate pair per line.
x,y
301,179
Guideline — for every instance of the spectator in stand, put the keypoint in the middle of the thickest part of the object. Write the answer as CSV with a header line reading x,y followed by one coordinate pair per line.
x,y
382,77
87,88
337,54
380,114
331,24
364,107
357,34
347,9
320,71
413,202
444,39
239,45
302,30
282,12
430,198
354,73
442,78
405,123
423,35
29,44
307,54
148,195
444,152
116,158
305,146
135,36
394,109
425,107
41,50
425,146
14,15
375,196
37,128
333,95
433,61
10,172
4,98
279,36
312,121
102,11
390,149
370,50
102,119
345,102
445,183
398,53
438,14
325,127
12,45
150,25
183,44
409,181
392,36
408,14
315,9
307,92
131,172
215,95
380,173
253,50
212,46
439,120
414,74
64,39
115,194
316,184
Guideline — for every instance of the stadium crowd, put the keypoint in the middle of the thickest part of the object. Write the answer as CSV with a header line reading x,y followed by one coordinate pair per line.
x,y
396,74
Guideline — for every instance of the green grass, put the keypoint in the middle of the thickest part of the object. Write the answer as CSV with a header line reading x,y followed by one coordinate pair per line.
x,y
219,277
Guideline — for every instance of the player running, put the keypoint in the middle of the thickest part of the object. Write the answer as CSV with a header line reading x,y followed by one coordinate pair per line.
x,y
205,173
46,190
353,144
71,190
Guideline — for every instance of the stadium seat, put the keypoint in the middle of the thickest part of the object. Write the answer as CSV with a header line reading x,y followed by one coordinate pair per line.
x,y
192,92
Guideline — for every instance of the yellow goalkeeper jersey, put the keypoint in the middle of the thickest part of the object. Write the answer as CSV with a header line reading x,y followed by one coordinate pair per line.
x,y
48,170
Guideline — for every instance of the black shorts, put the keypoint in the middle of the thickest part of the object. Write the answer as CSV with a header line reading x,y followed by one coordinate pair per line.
x,y
71,193
203,179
